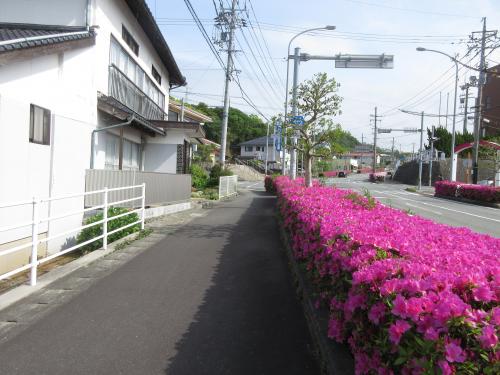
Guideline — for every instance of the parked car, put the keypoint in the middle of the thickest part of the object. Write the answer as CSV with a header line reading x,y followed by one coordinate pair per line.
x,y
342,174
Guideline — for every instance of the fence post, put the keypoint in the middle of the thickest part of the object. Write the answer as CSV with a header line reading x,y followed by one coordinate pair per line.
x,y
34,241
105,218
227,186
220,188
143,205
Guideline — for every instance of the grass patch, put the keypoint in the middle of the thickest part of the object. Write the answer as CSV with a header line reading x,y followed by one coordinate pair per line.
x,y
411,189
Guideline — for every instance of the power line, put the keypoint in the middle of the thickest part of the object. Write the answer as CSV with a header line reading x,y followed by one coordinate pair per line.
x,y
204,33
265,43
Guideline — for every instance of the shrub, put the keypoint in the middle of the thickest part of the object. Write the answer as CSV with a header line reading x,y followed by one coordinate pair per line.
x,y
96,230
409,296
474,192
198,176
216,172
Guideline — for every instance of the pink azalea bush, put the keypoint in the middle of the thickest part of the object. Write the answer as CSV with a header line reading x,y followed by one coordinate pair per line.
x,y
468,191
408,295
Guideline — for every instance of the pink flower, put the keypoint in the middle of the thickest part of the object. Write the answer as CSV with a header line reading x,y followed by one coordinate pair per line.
x,y
445,367
399,306
488,338
335,330
454,352
376,312
397,330
482,294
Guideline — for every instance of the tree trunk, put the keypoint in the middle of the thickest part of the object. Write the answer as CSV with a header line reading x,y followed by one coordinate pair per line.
x,y
308,165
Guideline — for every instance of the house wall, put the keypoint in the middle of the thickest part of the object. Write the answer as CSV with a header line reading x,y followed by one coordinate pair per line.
x,y
61,83
110,15
66,83
272,156
49,12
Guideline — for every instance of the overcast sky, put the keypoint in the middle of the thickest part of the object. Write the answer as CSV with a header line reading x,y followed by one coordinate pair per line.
x,y
363,27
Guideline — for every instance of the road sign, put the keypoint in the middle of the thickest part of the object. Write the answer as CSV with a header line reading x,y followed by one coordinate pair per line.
x,y
297,120
379,130
277,135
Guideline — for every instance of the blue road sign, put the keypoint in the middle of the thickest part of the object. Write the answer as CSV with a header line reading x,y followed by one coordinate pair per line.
x,y
297,120
277,135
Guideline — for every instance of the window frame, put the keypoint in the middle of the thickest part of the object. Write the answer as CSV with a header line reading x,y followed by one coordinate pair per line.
x,y
46,125
156,75
130,40
249,149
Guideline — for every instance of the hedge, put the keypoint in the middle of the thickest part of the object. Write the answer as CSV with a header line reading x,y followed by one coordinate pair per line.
x,y
408,295
468,191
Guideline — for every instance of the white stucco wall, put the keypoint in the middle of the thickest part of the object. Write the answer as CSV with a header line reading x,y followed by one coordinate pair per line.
x,y
272,156
67,85
49,12
110,15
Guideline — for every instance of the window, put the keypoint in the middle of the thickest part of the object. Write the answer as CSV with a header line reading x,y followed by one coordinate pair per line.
x,y
39,125
259,148
129,39
173,116
124,62
155,74
248,148
131,152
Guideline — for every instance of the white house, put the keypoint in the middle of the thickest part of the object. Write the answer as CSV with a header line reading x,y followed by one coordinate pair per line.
x,y
83,84
256,149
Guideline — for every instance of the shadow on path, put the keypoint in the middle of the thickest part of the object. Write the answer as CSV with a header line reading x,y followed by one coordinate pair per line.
x,y
249,321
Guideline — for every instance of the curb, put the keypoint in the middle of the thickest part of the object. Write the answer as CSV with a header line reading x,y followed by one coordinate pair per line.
x,y
334,358
18,293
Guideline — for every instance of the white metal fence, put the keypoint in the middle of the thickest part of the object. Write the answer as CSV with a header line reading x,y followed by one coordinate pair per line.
x,y
36,220
228,185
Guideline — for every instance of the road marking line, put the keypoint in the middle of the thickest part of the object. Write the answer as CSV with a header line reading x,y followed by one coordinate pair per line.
x,y
443,208
425,209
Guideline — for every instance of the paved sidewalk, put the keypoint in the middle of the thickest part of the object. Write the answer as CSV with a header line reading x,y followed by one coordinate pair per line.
x,y
211,297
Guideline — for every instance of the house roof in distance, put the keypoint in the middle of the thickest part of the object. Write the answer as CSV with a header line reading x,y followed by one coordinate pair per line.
x,y
15,36
261,141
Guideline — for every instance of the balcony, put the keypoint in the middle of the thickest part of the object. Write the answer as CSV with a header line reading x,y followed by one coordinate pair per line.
x,y
129,94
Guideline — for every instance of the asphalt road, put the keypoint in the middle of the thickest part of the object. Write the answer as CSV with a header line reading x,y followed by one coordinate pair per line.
x,y
212,297
478,218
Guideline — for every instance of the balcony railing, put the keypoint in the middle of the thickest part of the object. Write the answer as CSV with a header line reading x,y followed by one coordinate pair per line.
x,y
129,94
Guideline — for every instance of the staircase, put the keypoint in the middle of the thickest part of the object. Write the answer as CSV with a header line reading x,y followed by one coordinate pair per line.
x,y
246,172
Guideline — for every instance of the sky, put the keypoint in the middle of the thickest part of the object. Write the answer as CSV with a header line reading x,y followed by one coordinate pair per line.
x,y
394,27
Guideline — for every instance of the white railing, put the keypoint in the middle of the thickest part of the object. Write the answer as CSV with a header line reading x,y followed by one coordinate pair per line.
x,y
36,220
228,185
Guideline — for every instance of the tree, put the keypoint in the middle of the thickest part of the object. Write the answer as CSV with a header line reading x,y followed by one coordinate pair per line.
x,y
317,101
241,126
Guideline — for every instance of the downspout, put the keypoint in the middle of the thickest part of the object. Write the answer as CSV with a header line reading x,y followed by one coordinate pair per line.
x,y
88,14
92,140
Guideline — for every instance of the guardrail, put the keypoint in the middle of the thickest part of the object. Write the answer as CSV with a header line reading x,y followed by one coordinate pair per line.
x,y
37,220
228,186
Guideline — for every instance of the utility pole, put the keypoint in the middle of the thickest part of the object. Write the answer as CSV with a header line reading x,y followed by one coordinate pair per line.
x,y
392,151
447,103
229,72
374,167
413,151
466,104
479,106
421,153
432,156
439,113
293,155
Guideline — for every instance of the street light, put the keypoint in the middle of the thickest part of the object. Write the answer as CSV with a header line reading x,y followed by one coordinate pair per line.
x,y
328,27
453,176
